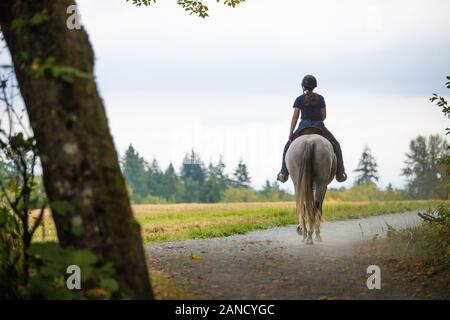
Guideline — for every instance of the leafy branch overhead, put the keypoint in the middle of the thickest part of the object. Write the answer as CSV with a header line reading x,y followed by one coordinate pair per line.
x,y
192,6
442,102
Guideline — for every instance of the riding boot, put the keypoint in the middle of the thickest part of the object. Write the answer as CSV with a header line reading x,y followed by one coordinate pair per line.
x,y
283,176
341,176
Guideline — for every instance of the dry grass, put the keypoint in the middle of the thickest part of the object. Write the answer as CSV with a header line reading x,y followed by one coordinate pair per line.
x,y
148,209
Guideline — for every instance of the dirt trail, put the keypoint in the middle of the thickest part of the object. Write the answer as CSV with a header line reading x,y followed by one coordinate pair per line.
x,y
276,264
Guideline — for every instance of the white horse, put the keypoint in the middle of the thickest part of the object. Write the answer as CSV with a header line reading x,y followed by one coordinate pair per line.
x,y
311,162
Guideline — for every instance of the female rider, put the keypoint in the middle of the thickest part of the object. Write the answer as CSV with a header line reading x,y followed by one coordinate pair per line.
x,y
313,111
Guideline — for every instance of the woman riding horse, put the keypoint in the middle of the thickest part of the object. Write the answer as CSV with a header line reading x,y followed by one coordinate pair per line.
x,y
313,111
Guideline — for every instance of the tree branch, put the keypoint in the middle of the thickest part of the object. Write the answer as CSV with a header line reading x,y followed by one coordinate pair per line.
x,y
37,222
430,218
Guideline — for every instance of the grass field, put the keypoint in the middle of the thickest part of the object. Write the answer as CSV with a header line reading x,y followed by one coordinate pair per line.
x,y
173,222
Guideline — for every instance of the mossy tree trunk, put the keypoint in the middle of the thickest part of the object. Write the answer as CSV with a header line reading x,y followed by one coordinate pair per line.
x,y
81,173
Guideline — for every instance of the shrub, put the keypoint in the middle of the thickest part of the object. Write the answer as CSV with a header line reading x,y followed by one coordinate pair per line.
x,y
366,192
239,195
153,200
429,242
49,264
275,195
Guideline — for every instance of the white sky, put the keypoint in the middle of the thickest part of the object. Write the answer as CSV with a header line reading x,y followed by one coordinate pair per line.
x,y
226,84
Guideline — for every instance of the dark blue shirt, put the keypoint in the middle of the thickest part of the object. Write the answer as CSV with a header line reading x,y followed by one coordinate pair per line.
x,y
313,111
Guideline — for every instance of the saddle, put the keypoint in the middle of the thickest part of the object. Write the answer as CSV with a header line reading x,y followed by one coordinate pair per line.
x,y
310,130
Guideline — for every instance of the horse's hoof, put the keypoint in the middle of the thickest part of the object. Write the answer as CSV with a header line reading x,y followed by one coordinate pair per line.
x,y
299,231
318,239
309,241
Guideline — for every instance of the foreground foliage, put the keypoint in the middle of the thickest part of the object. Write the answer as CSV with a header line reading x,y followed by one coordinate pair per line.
x,y
46,268
426,245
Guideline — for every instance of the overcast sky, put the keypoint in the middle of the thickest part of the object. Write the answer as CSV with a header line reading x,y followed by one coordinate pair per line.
x,y
226,84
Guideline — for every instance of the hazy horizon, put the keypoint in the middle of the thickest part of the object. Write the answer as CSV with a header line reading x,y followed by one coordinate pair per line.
x,y
172,82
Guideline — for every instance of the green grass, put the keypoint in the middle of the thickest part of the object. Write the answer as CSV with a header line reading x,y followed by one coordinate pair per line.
x,y
175,226
174,222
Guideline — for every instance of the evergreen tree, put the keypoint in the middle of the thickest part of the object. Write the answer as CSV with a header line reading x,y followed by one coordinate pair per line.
x,y
389,188
191,191
133,167
267,189
241,175
154,178
218,173
272,192
210,191
193,168
270,188
154,167
367,168
171,186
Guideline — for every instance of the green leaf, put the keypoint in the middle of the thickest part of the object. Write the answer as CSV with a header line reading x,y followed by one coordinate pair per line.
x,y
83,258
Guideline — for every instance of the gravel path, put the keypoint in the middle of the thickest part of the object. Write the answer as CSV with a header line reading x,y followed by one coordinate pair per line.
x,y
276,264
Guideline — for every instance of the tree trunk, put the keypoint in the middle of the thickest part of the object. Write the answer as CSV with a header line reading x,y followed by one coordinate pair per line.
x,y
81,173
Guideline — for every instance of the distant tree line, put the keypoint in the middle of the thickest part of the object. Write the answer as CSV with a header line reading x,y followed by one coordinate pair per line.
x,y
148,183
195,182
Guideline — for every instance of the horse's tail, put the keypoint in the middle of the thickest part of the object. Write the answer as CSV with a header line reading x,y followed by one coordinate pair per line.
x,y
305,184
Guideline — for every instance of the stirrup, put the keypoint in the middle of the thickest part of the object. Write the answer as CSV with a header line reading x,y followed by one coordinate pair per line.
x,y
283,177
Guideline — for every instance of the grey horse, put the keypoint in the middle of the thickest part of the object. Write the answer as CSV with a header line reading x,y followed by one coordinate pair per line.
x,y
311,162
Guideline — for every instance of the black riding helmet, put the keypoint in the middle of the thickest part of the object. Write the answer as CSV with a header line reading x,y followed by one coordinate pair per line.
x,y
309,82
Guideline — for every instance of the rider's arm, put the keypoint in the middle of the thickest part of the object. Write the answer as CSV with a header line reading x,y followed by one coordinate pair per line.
x,y
294,120
323,111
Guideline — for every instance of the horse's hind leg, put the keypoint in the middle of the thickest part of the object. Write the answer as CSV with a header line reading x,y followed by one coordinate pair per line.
x,y
305,231
298,209
317,229
309,239
301,228
318,238
308,235
319,197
